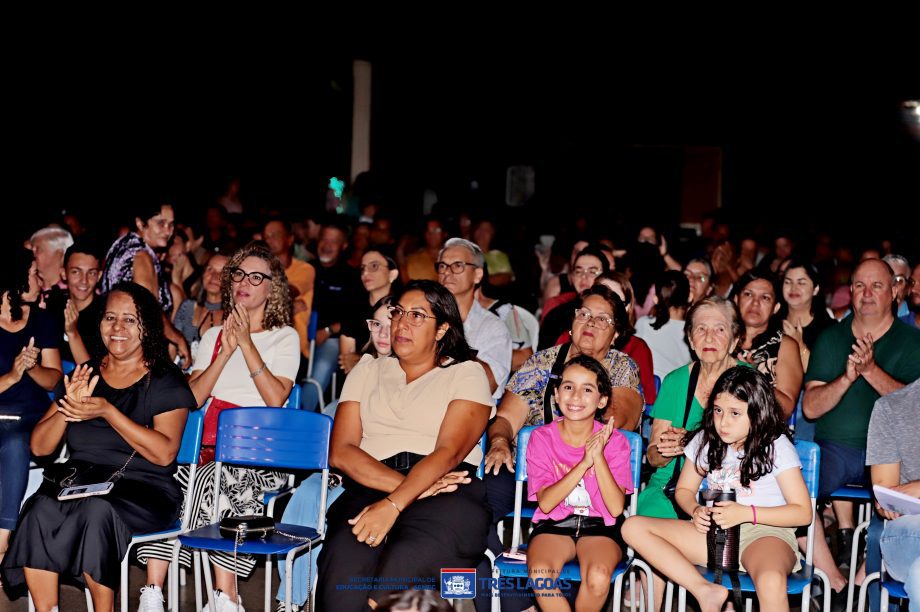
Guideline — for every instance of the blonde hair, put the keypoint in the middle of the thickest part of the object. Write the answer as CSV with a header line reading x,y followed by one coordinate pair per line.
x,y
278,305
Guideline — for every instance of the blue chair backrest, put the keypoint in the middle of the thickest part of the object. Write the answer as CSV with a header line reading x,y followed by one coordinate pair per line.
x,y
278,439
635,454
68,366
520,465
311,328
190,447
810,456
293,400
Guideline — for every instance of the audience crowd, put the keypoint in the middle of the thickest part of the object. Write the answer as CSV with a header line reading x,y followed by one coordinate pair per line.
x,y
423,342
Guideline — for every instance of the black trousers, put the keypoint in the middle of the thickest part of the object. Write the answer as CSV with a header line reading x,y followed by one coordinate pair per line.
x,y
445,531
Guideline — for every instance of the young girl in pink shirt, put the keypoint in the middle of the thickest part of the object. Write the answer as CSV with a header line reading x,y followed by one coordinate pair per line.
x,y
579,473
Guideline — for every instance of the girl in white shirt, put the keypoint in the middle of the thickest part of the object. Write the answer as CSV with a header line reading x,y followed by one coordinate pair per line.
x,y
743,444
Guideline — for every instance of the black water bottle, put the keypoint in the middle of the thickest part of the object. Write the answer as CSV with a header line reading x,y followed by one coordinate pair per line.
x,y
722,544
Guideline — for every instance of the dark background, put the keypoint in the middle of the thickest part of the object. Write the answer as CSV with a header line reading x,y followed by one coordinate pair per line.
x,y
807,136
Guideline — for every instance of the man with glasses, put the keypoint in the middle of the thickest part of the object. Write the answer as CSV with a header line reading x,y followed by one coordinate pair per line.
x,y
912,317
867,355
901,268
460,270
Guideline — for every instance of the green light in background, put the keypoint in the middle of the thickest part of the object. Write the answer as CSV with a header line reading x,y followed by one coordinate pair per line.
x,y
337,186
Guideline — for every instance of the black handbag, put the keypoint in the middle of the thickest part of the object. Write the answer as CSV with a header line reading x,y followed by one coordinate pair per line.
x,y
670,488
247,527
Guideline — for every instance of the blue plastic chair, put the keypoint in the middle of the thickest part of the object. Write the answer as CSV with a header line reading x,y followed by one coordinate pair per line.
x,y
278,440
798,582
505,566
889,586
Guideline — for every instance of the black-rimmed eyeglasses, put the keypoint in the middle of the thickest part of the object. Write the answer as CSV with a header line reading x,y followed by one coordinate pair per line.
x,y
255,278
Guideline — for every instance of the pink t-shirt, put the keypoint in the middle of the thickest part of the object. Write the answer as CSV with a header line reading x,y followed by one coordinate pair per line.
x,y
549,459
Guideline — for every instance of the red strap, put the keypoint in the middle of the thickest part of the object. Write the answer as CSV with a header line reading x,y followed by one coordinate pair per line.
x,y
220,336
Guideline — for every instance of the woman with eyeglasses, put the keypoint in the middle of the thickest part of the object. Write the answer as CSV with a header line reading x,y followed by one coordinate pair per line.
x,y
250,360
557,311
406,438
304,505
378,273
133,257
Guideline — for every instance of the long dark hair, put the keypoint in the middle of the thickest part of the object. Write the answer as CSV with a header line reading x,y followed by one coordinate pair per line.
x,y
14,279
150,318
817,302
673,291
767,423
452,347
774,324
604,387
369,348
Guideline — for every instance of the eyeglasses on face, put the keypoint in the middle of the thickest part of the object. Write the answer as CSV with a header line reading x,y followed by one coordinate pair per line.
x,y
415,318
373,266
255,278
899,279
702,278
592,272
458,267
601,321
378,327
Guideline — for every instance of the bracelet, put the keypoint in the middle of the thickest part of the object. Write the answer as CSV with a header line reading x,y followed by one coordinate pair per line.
x,y
754,510
393,503
257,372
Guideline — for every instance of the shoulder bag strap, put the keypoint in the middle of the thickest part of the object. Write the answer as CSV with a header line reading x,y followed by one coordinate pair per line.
x,y
554,375
691,389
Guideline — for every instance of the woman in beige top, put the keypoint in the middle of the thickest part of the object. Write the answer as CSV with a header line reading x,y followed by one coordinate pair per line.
x,y
406,430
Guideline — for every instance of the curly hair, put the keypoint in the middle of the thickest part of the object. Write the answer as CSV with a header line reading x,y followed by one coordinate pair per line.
x,y
150,325
604,387
278,305
767,423
775,323
14,279
452,347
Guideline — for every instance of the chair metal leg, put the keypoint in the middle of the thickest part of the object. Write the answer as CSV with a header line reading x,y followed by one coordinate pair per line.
x,y
32,603
89,601
748,604
196,566
123,588
681,599
174,572
825,590
864,590
854,553
668,595
208,582
268,582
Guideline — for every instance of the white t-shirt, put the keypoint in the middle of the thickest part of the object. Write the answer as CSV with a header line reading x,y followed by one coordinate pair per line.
x,y
669,349
764,491
280,350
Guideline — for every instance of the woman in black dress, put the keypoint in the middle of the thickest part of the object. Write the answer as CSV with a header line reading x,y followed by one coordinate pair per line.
x,y
124,413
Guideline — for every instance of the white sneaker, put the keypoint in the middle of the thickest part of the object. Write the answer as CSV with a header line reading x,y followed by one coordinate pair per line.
x,y
151,599
223,603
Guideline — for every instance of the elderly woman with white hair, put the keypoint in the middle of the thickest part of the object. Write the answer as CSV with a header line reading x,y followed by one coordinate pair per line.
x,y
48,246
